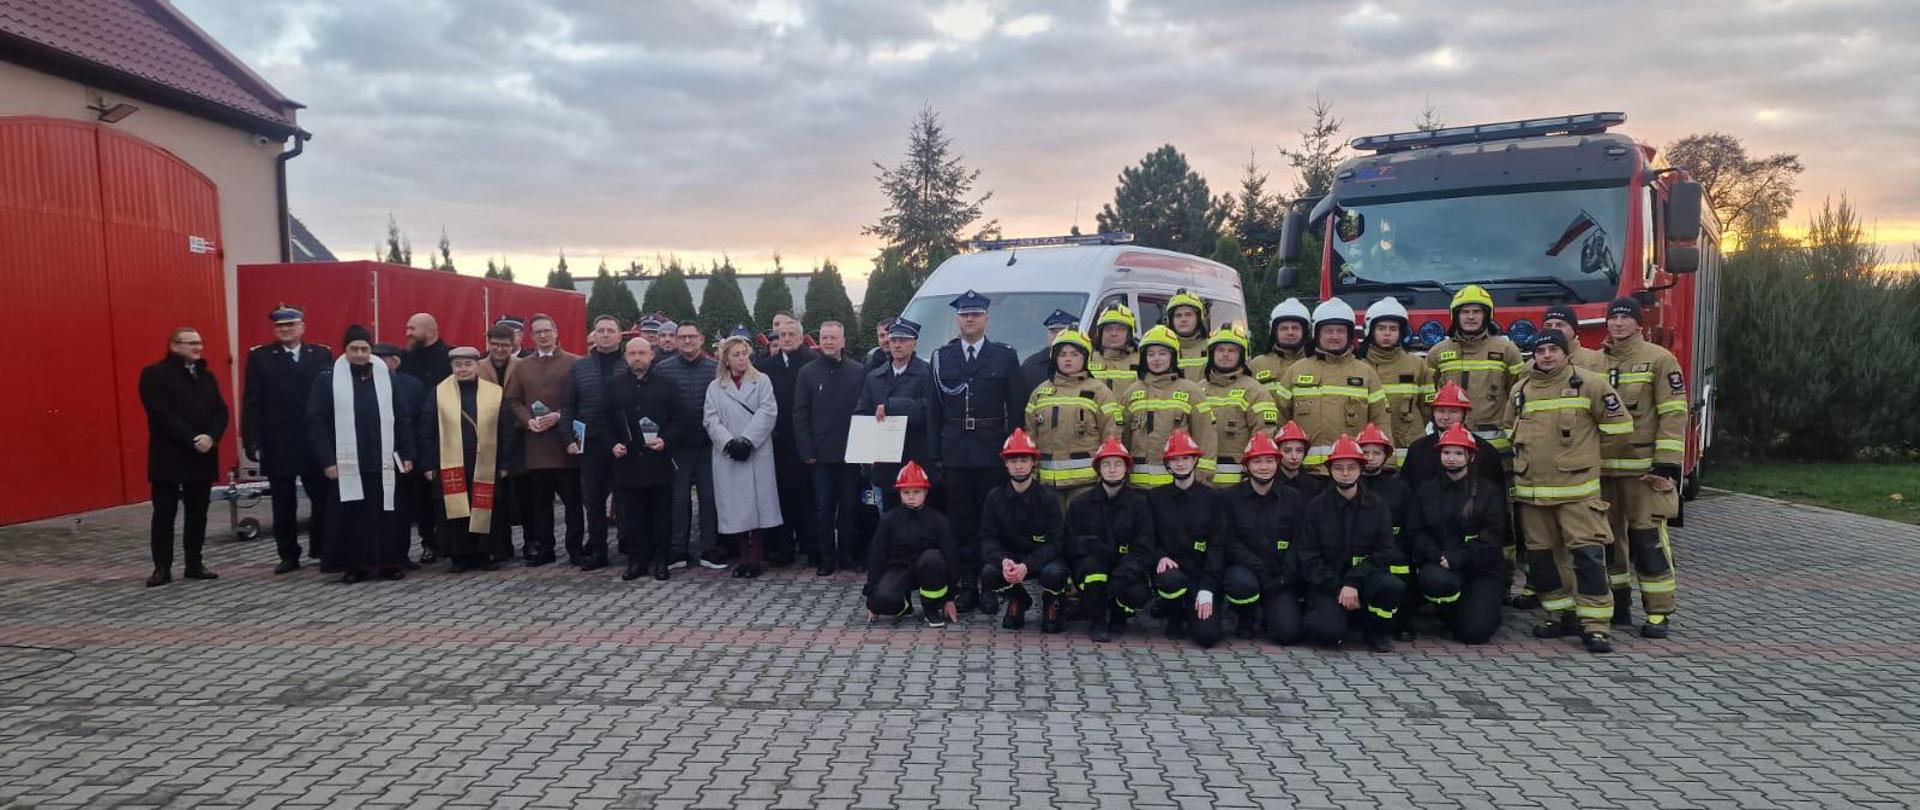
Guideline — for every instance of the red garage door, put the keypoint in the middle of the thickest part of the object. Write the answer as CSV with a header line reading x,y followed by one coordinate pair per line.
x,y
107,242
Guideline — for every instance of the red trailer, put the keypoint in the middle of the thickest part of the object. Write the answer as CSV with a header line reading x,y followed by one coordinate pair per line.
x,y
382,296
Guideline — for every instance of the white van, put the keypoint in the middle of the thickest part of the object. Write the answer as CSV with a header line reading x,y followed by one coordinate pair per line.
x,y
1030,278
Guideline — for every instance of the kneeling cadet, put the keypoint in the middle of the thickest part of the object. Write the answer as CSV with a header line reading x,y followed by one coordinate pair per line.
x,y
910,551
1020,539
1346,556
1188,528
1261,520
1110,541
1457,535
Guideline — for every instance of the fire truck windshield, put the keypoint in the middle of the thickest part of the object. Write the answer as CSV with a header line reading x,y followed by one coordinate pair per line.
x,y
1569,241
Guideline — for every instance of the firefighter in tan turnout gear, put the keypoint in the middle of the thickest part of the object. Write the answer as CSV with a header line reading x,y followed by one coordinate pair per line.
x,y
1287,330
1114,357
1561,415
1187,316
1484,363
1160,402
1331,392
1642,470
1403,375
1068,416
1561,318
1238,406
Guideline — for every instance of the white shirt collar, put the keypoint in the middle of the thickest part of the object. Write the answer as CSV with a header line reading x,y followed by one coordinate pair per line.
x,y
974,346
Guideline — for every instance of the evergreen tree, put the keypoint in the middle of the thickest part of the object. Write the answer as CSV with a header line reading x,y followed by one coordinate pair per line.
x,y
1255,220
1165,204
1429,118
827,300
611,296
558,278
634,270
1318,153
399,246
444,261
493,270
1257,285
930,199
669,294
722,306
890,288
506,271
773,296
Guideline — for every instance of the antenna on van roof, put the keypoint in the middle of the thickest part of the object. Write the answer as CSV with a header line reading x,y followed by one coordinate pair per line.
x,y
1116,238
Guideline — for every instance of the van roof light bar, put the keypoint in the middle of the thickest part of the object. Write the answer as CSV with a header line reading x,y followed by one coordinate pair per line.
x,y
1583,124
1116,238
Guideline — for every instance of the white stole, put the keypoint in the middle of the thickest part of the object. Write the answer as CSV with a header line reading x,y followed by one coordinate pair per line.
x,y
346,443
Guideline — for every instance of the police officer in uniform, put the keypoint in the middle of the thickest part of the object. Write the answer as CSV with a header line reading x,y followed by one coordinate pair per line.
x,y
273,430
976,404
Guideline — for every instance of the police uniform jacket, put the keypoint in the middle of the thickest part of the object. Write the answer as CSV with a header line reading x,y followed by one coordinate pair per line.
x,y
975,405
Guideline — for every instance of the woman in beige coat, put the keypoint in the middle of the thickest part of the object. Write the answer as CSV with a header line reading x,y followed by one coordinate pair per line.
x,y
739,418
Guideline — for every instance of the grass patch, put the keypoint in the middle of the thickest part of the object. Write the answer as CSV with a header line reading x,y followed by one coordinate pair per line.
x,y
1890,491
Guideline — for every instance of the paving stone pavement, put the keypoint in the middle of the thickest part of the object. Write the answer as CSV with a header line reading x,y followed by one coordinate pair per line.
x,y
1790,682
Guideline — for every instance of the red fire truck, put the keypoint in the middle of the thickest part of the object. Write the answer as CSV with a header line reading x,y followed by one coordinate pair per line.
x,y
1539,212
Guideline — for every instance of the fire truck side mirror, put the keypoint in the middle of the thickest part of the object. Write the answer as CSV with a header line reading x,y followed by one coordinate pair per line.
x,y
1292,227
1681,258
1683,212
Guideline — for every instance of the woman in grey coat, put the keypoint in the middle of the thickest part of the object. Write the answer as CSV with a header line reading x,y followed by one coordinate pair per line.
x,y
739,417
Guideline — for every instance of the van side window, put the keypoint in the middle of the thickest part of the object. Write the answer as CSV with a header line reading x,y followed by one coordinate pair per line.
x,y
1108,303
1224,313
1151,309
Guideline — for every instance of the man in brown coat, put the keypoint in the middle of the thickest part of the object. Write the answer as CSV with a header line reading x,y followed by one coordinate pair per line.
x,y
535,391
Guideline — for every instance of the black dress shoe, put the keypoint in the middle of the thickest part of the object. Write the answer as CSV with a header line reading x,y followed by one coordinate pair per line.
x,y
824,570
394,573
287,567
739,572
161,576
411,565
594,563
633,572
352,577
427,557
661,573
540,560
200,572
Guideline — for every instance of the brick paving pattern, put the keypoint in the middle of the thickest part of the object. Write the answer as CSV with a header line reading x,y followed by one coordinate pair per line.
x,y
1790,682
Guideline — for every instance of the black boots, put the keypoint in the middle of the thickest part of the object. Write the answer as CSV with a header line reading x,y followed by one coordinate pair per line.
x,y
1656,626
1622,607
1050,614
933,613
1597,642
1245,623
161,576
1557,627
198,571
287,566
1098,626
635,569
1017,603
1176,622
965,599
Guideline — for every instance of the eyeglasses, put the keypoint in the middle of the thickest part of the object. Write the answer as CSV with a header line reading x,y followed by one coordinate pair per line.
x,y
189,342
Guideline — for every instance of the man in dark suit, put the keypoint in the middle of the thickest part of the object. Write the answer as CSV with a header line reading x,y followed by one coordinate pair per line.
x,y
273,431
976,403
786,353
186,416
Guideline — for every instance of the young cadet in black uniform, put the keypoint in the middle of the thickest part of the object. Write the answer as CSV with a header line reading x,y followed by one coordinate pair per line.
x,y
911,550
1188,527
1346,550
1456,533
1020,539
1422,464
1110,541
273,431
1293,444
1377,475
1261,520
976,403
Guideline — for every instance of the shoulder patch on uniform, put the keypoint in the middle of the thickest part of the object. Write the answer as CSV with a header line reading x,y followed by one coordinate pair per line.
x,y
1088,394
1449,355
1179,396
1045,390
1137,393
1612,401
1263,375
1676,382
1304,379
1356,381
1643,367
1496,355
1406,378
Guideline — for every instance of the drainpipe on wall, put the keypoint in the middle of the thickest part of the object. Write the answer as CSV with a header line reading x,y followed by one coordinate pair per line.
x,y
280,178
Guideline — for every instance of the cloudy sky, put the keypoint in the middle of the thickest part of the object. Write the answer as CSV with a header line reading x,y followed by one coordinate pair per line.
x,y
631,129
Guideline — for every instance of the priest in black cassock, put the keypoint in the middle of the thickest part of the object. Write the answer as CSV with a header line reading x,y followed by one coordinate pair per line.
x,y
364,450
464,446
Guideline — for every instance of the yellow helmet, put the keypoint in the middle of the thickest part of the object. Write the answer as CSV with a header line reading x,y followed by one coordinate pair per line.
x,y
1182,298
1230,334
1075,338
1471,294
1118,313
1160,336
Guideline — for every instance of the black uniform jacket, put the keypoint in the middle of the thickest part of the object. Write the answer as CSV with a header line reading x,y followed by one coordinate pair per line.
x,y
1024,527
1343,541
1261,531
1464,521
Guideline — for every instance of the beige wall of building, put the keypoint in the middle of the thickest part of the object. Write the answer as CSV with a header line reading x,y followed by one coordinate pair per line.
x,y
239,164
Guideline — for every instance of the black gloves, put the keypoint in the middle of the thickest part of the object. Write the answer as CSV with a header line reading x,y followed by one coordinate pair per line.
x,y
738,449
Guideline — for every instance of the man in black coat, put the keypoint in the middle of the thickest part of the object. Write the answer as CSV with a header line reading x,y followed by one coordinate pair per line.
x,y
273,431
585,381
640,415
786,355
825,395
899,387
427,363
186,416
691,370
977,402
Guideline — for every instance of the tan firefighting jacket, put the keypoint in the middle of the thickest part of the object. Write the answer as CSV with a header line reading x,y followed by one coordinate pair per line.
x,y
1238,406
1156,405
1068,418
1486,366
1409,386
1559,421
1329,395
1650,383
1115,367
1268,367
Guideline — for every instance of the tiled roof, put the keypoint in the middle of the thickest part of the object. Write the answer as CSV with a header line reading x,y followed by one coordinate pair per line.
x,y
306,246
150,40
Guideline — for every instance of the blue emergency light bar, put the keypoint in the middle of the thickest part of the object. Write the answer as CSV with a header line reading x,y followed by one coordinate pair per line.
x,y
1585,124
1116,238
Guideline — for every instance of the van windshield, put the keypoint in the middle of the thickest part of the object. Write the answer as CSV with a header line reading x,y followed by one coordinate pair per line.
x,y
1014,318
